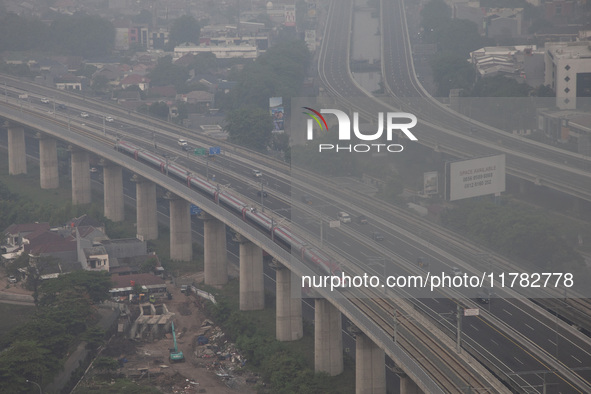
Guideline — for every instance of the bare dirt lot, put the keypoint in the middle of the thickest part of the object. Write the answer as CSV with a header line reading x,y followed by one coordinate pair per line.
x,y
211,368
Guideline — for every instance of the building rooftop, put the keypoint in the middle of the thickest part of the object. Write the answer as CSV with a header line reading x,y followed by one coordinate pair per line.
x,y
570,50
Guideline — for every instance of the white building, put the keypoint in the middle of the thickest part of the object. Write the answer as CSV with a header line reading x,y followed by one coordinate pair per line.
x,y
221,52
568,71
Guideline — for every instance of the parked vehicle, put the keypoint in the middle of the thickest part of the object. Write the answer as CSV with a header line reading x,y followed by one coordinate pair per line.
x,y
12,279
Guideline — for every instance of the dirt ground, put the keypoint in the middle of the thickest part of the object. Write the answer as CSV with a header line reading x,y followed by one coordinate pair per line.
x,y
148,361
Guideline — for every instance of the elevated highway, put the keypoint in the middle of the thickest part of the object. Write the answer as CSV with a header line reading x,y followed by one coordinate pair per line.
x,y
409,357
439,128
246,161
167,138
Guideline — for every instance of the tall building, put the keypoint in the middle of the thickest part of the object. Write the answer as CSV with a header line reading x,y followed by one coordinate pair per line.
x,y
568,71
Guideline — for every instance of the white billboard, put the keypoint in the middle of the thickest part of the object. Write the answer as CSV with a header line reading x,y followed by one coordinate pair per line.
x,y
475,177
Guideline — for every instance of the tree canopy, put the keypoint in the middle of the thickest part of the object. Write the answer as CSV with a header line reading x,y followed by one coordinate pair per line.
x,y
250,127
184,29
167,73
36,349
85,35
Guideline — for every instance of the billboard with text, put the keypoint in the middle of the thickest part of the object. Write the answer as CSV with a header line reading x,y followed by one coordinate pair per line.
x,y
475,177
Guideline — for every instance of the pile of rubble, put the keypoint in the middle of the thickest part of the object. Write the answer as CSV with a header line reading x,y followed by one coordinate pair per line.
x,y
221,356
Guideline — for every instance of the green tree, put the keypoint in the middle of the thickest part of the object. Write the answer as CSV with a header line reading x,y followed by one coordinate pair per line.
x,y
204,62
160,109
85,35
106,364
434,16
184,29
500,86
25,360
451,72
250,127
94,283
543,91
166,73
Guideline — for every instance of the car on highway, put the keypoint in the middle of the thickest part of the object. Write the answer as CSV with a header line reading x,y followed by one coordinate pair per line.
x,y
183,144
61,106
422,263
483,298
84,115
361,219
257,173
307,199
264,193
344,217
109,119
377,236
456,271
45,100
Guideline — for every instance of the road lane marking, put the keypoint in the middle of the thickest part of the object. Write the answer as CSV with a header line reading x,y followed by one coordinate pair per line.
x,y
580,362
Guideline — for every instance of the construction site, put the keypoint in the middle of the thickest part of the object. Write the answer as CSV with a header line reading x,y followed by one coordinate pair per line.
x,y
197,358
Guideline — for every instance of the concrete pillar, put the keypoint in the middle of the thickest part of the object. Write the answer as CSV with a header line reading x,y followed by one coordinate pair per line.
x,y
147,215
407,386
181,242
17,158
370,367
80,177
328,338
113,192
289,325
215,259
48,168
252,292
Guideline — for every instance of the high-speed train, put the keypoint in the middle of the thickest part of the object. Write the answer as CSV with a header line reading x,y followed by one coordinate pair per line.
x,y
280,234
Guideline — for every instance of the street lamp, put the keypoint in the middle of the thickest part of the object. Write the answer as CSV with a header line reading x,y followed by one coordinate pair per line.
x,y
36,384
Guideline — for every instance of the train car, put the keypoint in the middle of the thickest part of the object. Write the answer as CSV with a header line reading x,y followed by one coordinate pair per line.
x,y
279,234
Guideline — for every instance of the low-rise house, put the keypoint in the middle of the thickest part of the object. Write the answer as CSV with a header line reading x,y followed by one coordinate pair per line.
x,y
135,80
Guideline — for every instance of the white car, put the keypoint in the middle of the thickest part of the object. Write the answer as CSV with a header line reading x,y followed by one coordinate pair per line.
x,y
45,100
84,115
257,173
109,119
